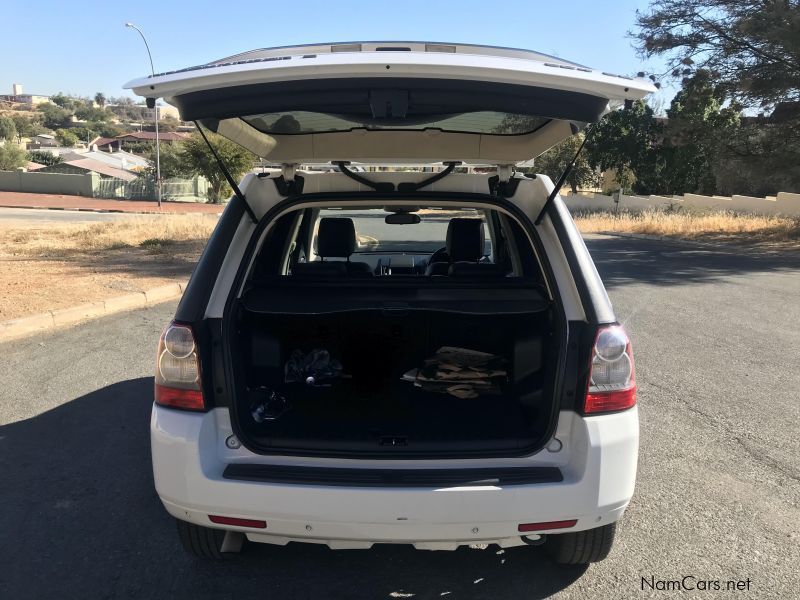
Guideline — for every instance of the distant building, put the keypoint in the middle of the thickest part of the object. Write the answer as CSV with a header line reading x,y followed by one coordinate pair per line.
x,y
32,99
16,95
163,111
134,139
121,165
89,165
43,140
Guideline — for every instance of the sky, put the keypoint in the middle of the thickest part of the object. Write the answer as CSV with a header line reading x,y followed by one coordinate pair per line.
x,y
83,47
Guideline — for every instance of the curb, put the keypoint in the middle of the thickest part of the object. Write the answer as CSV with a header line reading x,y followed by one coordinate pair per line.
x,y
56,319
154,211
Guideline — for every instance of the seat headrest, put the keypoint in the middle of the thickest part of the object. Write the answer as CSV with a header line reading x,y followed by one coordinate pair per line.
x,y
336,237
465,240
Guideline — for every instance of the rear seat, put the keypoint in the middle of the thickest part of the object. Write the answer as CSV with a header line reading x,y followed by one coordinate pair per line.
x,y
336,238
465,247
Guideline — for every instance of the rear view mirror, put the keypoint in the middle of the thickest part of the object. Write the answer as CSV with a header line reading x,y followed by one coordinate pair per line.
x,y
402,219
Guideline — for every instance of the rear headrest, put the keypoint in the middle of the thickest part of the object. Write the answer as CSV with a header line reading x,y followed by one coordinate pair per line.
x,y
336,237
465,240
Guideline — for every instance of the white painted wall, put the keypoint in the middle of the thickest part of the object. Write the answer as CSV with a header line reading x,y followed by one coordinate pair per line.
x,y
784,203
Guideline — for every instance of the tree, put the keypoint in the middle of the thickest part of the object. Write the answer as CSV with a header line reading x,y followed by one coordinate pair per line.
x,y
752,47
200,161
553,162
623,142
8,130
44,158
26,126
12,157
100,98
168,123
696,135
66,138
174,162
54,116
63,101
107,129
84,134
87,112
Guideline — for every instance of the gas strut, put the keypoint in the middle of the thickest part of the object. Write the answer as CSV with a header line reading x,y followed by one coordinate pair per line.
x,y
563,178
228,175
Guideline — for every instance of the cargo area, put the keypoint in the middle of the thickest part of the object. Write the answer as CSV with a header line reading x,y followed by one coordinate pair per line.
x,y
394,380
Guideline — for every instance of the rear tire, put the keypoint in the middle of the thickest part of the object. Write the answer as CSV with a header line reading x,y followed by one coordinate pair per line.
x,y
202,542
581,547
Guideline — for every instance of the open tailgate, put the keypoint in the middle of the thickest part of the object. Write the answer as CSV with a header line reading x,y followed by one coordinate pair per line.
x,y
393,101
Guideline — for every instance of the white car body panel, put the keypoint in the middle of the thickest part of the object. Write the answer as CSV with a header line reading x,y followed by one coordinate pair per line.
x,y
434,65
598,460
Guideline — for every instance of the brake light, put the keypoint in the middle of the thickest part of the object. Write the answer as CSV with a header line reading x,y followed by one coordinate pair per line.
x,y
178,370
612,379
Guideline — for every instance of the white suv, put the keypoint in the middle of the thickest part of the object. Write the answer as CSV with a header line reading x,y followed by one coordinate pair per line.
x,y
398,355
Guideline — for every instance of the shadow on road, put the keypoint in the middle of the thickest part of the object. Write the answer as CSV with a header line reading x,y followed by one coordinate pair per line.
x,y
621,261
80,519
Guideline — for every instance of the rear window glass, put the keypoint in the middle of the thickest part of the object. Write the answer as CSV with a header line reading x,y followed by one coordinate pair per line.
x,y
303,122
375,236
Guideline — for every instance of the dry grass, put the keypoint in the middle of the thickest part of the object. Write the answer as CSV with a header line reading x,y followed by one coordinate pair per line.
x,y
153,234
721,226
51,266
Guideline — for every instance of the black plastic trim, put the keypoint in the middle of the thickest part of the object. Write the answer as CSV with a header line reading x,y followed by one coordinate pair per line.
x,y
288,188
351,96
403,478
378,186
376,293
593,295
192,306
418,185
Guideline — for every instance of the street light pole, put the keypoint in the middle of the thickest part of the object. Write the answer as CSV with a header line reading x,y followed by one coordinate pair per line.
x,y
155,114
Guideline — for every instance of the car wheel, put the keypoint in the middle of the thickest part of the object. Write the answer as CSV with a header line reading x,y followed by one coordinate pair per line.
x,y
581,547
203,542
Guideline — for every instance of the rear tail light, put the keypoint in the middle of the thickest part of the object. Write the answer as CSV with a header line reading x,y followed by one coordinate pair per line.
x,y
612,380
178,370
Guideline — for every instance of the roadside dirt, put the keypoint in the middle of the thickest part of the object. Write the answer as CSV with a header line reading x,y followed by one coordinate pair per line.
x,y
58,267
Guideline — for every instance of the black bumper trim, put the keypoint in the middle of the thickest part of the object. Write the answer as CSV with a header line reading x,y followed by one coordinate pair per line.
x,y
427,478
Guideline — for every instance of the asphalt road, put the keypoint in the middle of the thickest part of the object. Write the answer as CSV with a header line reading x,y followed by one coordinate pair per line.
x,y
716,342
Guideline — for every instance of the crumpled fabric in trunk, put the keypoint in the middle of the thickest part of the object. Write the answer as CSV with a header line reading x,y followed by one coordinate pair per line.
x,y
314,368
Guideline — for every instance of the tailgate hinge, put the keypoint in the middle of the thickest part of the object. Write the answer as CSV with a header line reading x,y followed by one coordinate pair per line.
x,y
503,184
289,183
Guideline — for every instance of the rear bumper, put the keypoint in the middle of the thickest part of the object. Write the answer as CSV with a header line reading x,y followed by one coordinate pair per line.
x,y
598,463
